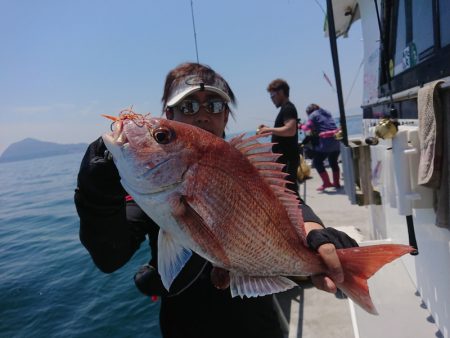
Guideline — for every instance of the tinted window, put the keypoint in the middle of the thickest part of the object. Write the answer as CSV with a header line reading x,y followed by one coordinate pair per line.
x,y
418,42
422,20
400,43
444,9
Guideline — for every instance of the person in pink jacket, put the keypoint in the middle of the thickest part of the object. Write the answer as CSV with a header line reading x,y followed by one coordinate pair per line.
x,y
322,127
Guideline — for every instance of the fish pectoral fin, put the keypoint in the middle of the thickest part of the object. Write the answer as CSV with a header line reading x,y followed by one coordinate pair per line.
x,y
254,286
200,232
171,258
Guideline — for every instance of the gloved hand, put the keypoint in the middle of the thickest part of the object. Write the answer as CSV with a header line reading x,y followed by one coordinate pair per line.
x,y
148,281
320,240
98,178
340,239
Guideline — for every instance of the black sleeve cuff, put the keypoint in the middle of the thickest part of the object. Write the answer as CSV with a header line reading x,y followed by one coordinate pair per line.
x,y
309,215
318,237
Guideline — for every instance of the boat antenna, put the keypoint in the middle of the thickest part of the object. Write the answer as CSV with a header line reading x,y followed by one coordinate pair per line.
x,y
195,33
320,6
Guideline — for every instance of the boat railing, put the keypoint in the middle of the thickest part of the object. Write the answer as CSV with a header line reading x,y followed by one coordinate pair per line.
x,y
410,93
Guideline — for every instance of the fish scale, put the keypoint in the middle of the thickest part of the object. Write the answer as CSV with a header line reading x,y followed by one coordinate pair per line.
x,y
254,233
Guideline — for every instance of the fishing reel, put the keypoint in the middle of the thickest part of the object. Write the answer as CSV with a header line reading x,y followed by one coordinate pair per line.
x,y
386,129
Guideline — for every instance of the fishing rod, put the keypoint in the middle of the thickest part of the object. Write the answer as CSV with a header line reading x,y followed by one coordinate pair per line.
x,y
354,81
195,33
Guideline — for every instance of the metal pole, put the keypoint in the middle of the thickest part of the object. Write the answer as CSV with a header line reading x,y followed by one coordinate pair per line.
x,y
337,73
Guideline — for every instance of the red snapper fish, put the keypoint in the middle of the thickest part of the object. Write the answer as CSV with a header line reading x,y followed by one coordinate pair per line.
x,y
227,202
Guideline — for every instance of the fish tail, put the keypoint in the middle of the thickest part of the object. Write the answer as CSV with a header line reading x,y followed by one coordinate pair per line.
x,y
360,263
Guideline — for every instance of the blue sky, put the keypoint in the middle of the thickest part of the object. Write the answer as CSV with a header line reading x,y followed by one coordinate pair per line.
x,y
63,63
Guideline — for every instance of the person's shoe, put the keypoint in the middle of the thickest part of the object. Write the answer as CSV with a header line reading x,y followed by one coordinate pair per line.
x,y
324,186
326,181
336,176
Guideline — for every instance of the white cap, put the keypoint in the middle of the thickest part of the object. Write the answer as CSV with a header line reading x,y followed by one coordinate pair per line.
x,y
192,84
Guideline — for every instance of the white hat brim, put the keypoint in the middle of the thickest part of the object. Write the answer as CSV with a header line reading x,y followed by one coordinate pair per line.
x,y
193,89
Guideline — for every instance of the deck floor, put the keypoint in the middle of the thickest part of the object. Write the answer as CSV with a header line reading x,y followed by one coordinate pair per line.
x,y
311,313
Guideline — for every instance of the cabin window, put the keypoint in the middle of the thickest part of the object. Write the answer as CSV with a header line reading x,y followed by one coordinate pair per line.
x,y
422,28
444,11
416,36
400,44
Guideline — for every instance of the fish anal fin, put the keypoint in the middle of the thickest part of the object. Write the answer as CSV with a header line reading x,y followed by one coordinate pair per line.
x,y
254,286
171,258
361,263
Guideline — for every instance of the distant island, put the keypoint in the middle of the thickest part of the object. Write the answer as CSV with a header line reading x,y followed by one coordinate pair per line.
x,y
30,148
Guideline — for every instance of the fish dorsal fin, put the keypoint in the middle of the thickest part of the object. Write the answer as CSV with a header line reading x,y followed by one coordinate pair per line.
x,y
240,142
236,139
262,157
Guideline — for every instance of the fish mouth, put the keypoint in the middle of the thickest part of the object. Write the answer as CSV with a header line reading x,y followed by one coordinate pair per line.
x,y
115,143
120,138
117,135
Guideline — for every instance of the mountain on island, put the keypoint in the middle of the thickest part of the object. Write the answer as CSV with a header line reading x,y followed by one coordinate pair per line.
x,y
30,148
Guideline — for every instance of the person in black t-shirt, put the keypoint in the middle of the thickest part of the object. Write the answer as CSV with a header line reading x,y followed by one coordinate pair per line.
x,y
113,226
285,131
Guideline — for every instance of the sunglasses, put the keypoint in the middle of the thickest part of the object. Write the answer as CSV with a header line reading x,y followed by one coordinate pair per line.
x,y
192,107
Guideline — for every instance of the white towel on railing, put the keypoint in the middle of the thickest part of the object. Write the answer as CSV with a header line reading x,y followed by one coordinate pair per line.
x,y
430,135
443,200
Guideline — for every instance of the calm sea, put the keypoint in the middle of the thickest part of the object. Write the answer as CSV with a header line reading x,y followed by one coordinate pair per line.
x,y
49,286
354,125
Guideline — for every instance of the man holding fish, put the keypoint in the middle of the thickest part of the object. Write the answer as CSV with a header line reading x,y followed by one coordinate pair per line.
x,y
219,219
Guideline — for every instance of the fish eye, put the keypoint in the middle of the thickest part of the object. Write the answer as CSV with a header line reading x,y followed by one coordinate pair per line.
x,y
162,135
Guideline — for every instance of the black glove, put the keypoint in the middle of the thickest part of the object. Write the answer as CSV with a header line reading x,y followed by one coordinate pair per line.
x,y
148,281
98,179
318,237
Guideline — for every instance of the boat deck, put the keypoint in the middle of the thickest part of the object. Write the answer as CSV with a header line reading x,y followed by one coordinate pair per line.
x,y
307,312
